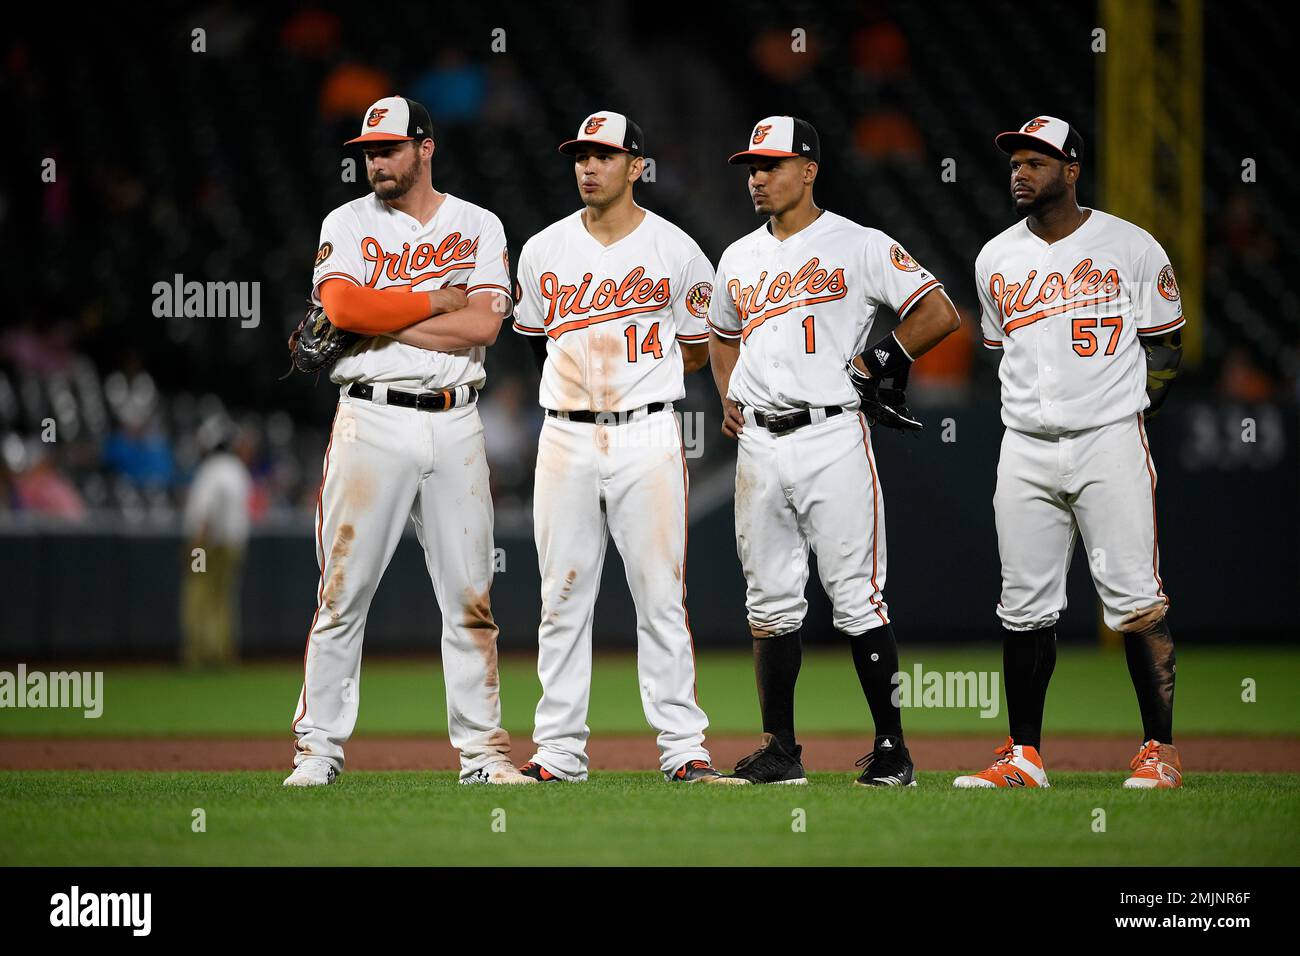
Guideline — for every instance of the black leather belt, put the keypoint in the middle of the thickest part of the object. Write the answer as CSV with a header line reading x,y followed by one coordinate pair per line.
x,y
424,401
605,418
790,421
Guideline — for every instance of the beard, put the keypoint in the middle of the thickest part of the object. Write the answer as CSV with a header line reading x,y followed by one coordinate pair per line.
x,y
398,187
1046,197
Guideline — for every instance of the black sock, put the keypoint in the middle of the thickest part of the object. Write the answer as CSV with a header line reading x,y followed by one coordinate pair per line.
x,y
1152,667
1028,659
776,666
875,656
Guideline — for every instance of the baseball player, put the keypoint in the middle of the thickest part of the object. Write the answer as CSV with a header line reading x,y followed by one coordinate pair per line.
x,y
1086,312
796,304
424,276
615,298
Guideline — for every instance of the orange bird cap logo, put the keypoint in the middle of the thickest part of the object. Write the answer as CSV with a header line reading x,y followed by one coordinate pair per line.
x,y
593,125
760,133
376,116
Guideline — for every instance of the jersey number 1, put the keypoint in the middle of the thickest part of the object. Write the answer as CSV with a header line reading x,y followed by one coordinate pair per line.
x,y
650,346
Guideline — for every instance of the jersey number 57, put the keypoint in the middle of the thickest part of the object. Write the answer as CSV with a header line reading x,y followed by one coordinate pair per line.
x,y
1085,338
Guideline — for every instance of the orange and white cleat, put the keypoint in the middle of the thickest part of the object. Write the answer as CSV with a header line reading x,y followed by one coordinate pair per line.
x,y
1156,767
1016,766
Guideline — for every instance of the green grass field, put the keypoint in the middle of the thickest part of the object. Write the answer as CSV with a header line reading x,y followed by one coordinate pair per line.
x,y
100,819
413,818
1090,694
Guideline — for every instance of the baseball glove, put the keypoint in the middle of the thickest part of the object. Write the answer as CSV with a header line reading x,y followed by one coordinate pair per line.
x,y
885,406
317,343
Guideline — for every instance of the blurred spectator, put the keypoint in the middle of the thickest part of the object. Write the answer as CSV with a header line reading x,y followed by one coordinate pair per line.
x,y
453,90
350,89
216,519
312,33
775,57
944,372
140,452
880,51
509,437
888,134
1241,379
41,489
45,351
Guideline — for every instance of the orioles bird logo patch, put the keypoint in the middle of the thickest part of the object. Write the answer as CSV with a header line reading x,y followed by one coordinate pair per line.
x,y
698,298
901,260
323,252
1167,284
1034,125
760,133
593,125
376,116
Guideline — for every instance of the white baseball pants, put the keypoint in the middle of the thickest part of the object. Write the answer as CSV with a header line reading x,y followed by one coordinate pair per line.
x,y
1098,482
629,479
383,464
812,488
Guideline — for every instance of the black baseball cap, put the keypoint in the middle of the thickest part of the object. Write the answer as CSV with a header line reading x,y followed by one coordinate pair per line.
x,y
607,128
1045,134
394,119
781,137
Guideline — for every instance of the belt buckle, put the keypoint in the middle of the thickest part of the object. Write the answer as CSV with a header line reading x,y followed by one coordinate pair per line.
x,y
780,424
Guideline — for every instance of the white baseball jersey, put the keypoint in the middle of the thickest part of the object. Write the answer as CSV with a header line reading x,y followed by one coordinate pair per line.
x,y
1067,316
804,307
613,314
370,243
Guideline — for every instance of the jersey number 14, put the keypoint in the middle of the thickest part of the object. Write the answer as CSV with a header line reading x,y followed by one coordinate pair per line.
x,y
649,346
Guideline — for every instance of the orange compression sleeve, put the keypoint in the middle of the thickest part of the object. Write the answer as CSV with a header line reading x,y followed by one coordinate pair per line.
x,y
372,311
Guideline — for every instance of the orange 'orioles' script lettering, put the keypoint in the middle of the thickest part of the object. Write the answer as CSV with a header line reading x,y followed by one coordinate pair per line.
x,y
1084,286
633,294
454,252
809,284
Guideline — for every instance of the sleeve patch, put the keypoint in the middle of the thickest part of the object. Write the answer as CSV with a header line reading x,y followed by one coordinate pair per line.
x,y
326,248
698,298
901,260
1167,284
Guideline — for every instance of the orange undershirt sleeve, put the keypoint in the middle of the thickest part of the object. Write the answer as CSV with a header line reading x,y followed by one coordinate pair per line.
x,y
369,311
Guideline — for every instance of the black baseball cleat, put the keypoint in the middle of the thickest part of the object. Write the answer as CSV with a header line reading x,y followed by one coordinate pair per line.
x,y
771,763
537,772
888,765
697,771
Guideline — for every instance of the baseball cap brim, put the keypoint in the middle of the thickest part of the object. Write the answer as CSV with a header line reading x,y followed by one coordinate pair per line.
x,y
569,147
1011,141
380,138
749,154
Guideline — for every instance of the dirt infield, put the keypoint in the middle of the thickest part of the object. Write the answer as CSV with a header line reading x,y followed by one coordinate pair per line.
x,y
1260,755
